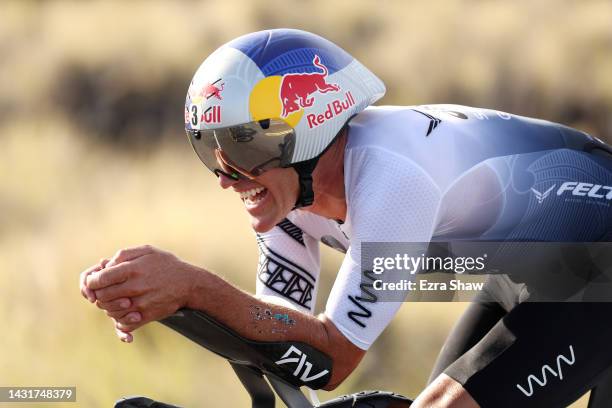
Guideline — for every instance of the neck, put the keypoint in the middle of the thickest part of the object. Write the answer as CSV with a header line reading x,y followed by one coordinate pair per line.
x,y
328,182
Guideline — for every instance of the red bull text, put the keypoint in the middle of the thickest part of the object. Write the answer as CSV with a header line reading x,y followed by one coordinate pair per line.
x,y
334,109
211,115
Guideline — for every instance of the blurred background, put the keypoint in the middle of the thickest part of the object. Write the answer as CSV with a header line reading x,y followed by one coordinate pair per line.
x,y
93,158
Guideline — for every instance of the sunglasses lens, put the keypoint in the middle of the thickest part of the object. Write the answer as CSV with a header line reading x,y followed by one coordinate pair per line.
x,y
250,149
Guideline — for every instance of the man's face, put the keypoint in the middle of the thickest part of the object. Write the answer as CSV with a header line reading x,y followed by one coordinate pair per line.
x,y
268,198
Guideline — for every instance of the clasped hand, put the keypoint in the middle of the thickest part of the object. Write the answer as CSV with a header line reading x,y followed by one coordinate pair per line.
x,y
136,286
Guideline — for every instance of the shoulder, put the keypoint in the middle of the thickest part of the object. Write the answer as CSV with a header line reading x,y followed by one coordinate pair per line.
x,y
379,139
379,120
405,131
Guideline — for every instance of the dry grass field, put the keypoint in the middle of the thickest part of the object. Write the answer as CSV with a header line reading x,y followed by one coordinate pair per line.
x,y
93,159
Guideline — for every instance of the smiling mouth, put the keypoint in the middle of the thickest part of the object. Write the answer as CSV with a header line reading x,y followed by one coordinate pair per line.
x,y
254,195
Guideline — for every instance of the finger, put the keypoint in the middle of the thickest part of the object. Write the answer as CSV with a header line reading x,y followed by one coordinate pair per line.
x,y
88,293
85,291
128,254
118,314
125,337
120,291
120,304
127,327
130,318
111,275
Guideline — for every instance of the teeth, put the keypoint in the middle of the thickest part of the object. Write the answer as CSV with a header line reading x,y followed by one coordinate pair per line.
x,y
251,193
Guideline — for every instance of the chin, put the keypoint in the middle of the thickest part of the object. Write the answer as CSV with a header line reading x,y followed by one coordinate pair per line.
x,y
264,221
263,225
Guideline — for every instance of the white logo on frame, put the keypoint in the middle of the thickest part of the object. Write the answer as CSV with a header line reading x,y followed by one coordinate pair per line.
x,y
302,365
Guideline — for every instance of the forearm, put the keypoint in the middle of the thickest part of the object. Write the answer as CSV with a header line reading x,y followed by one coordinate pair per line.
x,y
257,320
249,316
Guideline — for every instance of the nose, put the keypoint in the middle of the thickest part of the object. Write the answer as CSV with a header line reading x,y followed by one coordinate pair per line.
x,y
226,182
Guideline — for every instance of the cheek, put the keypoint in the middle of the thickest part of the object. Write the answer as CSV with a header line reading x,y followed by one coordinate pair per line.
x,y
282,184
281,201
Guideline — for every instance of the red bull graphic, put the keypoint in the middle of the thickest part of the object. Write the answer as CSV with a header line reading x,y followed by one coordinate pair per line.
x,y
296,90
333,109
211,90
292,97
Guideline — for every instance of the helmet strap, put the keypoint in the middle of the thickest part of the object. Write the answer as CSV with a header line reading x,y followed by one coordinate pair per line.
x,y
304,170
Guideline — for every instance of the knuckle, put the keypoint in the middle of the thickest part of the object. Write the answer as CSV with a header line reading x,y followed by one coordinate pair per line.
x,y
134,270
117,305
124,303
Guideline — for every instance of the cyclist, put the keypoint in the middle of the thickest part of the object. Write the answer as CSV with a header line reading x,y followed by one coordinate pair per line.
x,y
283,118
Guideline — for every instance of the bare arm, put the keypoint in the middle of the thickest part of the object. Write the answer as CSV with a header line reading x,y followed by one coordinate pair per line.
x,y
258,320
158,284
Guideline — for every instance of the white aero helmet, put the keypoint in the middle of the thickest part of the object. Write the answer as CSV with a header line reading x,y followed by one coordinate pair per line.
x,y
275,98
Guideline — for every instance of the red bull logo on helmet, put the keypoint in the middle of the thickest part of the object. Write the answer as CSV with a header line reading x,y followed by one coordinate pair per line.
x,y
296,90
287,97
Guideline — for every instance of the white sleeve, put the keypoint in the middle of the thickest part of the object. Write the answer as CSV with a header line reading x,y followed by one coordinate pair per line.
x,y
390,199
288,268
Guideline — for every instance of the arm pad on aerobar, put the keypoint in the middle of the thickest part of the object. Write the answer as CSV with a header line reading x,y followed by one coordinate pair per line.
x,y
295,362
